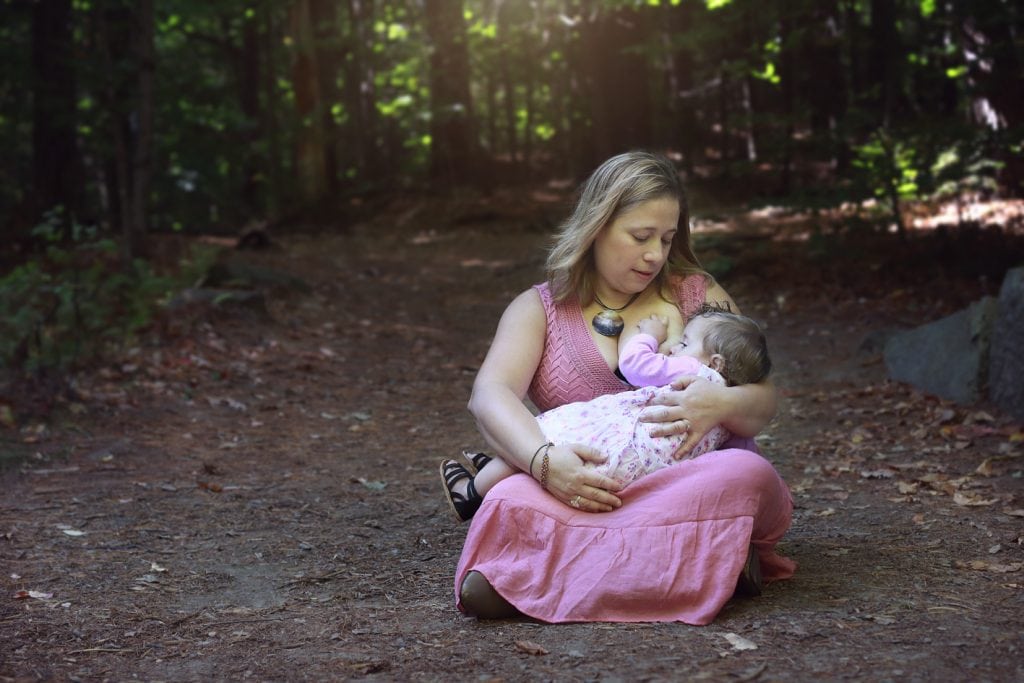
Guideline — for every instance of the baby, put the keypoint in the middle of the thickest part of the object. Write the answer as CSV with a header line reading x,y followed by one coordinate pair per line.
x,y
717,345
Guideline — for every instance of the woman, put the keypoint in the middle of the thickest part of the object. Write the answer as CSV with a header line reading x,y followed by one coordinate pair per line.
x,y
672,546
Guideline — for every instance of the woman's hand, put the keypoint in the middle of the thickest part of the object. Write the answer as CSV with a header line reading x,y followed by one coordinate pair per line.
x,y
581,487
692,409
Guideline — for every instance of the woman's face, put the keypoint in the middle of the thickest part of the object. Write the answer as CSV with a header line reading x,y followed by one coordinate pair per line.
x,y
631,250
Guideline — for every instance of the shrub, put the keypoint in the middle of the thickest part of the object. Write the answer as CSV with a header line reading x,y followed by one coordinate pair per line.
x,y
74,300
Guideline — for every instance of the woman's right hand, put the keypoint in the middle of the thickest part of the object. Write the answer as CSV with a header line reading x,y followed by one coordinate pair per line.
x,y
568,478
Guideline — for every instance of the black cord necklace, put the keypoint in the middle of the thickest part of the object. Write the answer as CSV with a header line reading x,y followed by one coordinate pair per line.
x,y
608,322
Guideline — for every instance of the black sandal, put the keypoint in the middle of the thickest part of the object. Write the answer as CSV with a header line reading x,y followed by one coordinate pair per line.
x,y
463,506
476,461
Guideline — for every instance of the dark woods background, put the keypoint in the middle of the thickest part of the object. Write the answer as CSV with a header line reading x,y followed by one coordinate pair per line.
x,y
157,115
122,119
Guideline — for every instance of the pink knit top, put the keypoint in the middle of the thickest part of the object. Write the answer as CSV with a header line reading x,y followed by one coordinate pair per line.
x,y
572,368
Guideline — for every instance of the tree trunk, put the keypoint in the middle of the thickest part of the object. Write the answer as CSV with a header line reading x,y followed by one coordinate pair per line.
x,y
883,59
142,158
310,163
270,125
249,95
788,75
619,81
324,19
56,166
113,26
365,126
453,137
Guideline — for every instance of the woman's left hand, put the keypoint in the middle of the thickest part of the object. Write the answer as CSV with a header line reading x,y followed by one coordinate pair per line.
x,y
692,408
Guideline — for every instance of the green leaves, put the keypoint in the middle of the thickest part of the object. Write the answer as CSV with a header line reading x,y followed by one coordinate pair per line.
x,y
70,304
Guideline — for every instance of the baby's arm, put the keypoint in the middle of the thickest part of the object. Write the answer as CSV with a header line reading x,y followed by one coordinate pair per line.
x,y
656,326
642,365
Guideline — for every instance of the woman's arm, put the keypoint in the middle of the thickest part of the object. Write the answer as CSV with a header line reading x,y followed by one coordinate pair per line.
x,y
510,428
504,378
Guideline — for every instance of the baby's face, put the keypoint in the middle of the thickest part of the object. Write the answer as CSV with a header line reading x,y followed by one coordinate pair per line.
x,y
692,341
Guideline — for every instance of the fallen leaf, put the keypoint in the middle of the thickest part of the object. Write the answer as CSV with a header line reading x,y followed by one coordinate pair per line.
x,y
827,512
227,401
979,416
25,595
1014,513
907,487
739,642
985,468
372,485
73,532
530,647
7,417
210,486
968,500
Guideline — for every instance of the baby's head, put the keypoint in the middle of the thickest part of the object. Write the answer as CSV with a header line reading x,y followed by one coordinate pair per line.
x,y
731,343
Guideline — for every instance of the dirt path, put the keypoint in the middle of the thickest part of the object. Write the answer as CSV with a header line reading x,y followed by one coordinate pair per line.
x,y
257,498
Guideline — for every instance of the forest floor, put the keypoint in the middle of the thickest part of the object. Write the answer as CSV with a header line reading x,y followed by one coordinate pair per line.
x,y
253,493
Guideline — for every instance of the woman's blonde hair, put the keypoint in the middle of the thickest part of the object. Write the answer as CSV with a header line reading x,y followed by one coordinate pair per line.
x,y
618,185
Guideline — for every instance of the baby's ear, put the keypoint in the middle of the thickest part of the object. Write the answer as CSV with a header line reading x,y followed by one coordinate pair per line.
x,y
717,362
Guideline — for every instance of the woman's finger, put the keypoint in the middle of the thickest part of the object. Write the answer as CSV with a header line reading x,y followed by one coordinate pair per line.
x,y
588,454
601,494
581,502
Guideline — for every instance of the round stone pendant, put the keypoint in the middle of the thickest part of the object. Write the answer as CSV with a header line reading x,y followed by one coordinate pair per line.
x,y
608,323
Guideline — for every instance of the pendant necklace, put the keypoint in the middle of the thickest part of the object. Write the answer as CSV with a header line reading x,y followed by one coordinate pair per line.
x,y
608,322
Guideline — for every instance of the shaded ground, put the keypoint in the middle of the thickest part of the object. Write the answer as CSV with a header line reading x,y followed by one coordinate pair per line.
x,y
257,497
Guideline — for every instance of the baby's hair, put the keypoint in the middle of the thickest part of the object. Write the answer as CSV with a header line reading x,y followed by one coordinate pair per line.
x,y
739,340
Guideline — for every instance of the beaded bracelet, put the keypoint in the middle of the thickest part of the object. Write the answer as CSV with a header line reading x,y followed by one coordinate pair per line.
x,y
544,467
537,452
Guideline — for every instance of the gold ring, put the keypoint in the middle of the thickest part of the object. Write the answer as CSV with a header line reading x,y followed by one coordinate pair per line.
x,y
575,501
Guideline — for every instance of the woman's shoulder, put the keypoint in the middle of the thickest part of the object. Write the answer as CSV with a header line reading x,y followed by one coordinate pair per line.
x,y
532,301
691,290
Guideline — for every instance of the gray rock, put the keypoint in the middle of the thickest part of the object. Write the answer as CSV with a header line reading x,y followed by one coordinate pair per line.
x,y
948,358
239,274
1006,369
235,298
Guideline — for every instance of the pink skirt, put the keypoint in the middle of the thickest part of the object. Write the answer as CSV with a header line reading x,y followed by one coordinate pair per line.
x,y
672,552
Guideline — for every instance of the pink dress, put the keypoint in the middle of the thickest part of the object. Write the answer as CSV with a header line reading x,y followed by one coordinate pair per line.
x,y
610,423
672,552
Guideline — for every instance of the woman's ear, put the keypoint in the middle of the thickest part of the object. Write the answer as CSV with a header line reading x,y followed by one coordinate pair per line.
x,y
717,363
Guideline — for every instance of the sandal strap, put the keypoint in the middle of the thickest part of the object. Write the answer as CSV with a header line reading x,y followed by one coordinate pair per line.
x,y
453,472
463,506
478,460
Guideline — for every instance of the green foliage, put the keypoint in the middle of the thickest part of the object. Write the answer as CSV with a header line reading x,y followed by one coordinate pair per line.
x,y
963,167
74,301
799,81
890,166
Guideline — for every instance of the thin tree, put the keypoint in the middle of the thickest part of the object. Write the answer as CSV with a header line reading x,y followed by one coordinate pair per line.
x,y
454,155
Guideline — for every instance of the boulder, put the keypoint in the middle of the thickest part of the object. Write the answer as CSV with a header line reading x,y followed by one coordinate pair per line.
x,y
1006,364
948,358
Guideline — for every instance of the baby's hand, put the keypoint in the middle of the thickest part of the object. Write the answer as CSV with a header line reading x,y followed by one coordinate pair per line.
x,y
656,326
